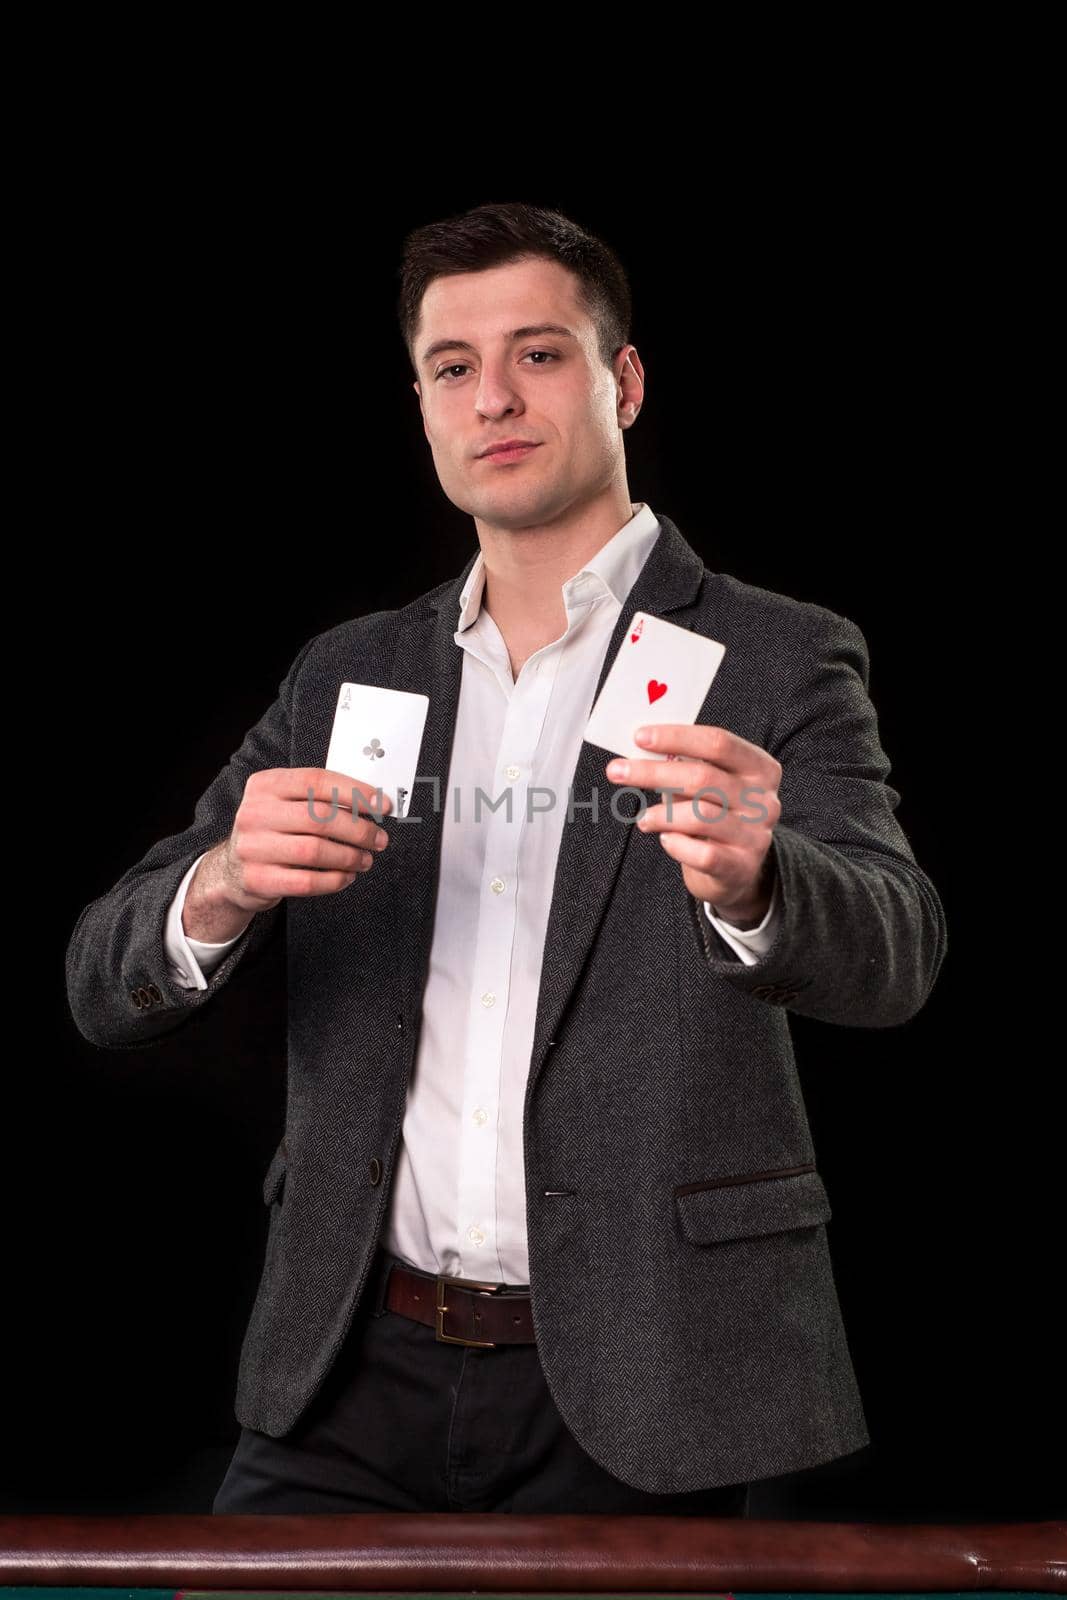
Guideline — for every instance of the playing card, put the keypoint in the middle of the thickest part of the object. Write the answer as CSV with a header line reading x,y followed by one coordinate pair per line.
x,y
377,735
662,673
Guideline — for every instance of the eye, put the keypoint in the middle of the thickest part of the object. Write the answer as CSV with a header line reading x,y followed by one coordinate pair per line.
x,y
461,366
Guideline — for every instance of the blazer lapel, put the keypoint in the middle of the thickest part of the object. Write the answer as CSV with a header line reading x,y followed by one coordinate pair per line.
x,y
591,853
428,661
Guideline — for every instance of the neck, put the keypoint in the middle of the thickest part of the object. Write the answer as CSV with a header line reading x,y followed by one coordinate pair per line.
x,y
526,568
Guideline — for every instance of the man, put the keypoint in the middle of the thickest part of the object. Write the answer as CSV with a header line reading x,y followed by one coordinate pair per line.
x,y
546,1228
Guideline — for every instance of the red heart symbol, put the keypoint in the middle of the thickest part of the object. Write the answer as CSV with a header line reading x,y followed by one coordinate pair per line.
x,y
655,690
634,638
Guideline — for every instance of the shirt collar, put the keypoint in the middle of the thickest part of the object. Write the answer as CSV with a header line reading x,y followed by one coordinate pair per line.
x,y
612,570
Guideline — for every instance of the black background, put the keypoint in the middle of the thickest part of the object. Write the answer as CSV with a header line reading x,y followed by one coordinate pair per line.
x,y
235,462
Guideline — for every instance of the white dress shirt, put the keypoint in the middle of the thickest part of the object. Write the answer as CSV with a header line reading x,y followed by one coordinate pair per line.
x,y
459,1200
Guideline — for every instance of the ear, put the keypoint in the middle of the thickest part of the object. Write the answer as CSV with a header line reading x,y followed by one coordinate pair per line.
x,y
631,381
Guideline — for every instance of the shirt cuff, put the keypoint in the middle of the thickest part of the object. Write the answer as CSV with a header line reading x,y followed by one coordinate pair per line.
x,y
749,943
192,960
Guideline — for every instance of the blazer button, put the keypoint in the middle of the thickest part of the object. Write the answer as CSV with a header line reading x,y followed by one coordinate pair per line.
x,y
135,996
154,991
375,1171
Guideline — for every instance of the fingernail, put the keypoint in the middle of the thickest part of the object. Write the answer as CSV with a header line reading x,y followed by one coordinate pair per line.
x,y
643,735
381,838
618,769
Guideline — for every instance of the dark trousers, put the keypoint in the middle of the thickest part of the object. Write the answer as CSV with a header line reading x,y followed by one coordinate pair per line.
x,y
405,1423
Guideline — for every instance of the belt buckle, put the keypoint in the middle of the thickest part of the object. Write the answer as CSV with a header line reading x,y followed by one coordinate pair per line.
x,y
441,1308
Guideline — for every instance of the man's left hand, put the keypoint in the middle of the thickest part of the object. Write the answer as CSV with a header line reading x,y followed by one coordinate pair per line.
x,y
723,838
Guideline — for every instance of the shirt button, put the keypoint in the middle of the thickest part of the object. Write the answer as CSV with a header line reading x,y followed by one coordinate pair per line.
x,y
498,886
488,1000
475,1235
512,772
480,1116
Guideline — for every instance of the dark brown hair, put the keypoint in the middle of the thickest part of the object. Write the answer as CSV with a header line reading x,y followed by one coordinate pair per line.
x,y
490,236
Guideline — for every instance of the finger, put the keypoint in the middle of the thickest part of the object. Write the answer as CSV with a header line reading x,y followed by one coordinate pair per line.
x,y
367,795
327,788
273,882
308,851
678,774
724,865
705,742
321,820
714,821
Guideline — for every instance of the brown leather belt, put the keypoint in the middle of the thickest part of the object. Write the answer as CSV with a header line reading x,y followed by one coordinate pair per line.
x,y
462,1310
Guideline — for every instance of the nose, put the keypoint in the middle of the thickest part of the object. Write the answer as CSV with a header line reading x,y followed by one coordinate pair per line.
x,y
496,394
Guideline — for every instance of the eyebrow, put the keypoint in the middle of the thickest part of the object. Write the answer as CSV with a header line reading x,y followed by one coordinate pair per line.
x,y
532,332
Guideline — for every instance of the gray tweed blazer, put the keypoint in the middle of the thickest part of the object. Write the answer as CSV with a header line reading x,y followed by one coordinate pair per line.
x,y
683,1298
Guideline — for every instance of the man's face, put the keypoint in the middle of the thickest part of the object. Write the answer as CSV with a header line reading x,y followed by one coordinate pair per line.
x,y
481,385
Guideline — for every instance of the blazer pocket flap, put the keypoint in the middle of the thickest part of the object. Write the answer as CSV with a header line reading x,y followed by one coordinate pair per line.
x,y
275,1174
747,1209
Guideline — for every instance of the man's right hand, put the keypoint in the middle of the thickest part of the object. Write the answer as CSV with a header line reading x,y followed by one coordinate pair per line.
x,y
278,848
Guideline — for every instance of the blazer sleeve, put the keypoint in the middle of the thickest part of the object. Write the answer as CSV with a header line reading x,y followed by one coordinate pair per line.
x,y
122,990
861,932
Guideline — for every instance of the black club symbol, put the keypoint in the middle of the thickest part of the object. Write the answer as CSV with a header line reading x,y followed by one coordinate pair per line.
x,y
373,749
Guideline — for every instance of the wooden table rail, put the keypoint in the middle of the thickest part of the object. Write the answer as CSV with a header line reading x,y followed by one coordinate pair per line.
x,y
483,1552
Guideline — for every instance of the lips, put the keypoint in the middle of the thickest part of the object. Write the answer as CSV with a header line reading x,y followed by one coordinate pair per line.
x,y
507,444
513,451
